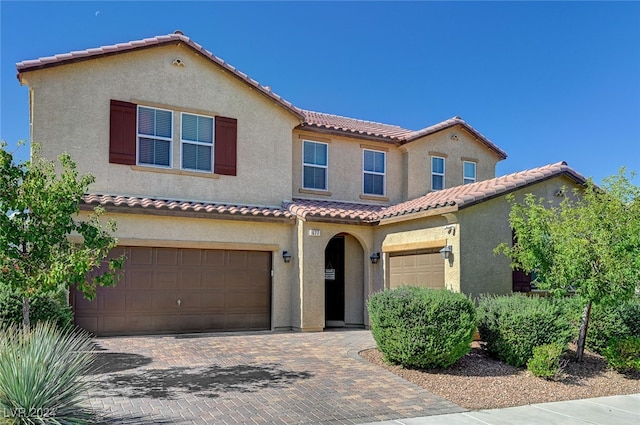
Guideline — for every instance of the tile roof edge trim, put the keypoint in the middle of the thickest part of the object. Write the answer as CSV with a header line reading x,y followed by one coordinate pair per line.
x,y
424,213
316,128
568,172
157,41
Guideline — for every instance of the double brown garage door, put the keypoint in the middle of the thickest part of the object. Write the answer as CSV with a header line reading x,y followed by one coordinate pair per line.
x,y
171,290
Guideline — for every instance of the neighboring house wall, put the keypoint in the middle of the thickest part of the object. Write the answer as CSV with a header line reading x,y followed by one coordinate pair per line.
x,y
345,169
486,225
455,145
70,113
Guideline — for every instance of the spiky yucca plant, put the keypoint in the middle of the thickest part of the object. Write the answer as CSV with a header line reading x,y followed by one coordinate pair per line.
x,y
41,375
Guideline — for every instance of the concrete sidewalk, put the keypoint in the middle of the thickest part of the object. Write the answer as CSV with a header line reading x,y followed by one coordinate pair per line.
x,y
615,410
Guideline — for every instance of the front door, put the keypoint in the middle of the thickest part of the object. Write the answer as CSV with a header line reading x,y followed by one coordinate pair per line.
x,y
334,282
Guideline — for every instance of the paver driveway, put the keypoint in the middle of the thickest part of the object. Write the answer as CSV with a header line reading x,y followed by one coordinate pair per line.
x,y
252,378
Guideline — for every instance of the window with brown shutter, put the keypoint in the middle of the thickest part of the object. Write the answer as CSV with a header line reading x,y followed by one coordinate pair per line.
x,y
225,146
122,133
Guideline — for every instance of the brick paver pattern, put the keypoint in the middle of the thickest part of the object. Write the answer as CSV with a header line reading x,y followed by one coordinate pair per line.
x,y
252,378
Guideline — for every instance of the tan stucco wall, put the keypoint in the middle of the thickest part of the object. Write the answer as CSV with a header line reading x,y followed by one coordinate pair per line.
x,y
70,112
345,169
354,295
181,232
482,228
309,299
426,233
442,143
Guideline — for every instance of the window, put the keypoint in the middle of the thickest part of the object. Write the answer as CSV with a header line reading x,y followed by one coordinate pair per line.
x,y
144,135
469,172
437,173
374,171
155,131
314,165
196,142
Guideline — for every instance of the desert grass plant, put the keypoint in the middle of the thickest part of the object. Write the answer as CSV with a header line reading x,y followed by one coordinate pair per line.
x,y
547,361
41,375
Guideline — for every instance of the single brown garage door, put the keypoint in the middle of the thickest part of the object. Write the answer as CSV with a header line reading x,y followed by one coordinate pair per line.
x,y
171,290
422,268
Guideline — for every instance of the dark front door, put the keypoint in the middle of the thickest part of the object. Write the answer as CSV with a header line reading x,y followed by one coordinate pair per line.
x,y
334,282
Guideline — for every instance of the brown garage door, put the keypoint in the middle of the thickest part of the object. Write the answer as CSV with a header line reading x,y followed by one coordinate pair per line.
x,y
423,268
167,290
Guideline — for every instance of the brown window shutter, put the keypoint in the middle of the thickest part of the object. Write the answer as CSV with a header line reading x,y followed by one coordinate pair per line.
x,y
226,140
122,133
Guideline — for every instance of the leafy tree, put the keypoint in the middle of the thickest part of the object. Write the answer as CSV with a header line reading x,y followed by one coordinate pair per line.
x,y
39,206
589,243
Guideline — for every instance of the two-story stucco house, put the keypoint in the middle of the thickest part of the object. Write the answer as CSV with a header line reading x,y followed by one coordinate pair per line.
x,y
238,210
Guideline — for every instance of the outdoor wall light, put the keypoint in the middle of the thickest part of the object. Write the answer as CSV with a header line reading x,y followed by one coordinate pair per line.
x,y
286,256
446,252
375,257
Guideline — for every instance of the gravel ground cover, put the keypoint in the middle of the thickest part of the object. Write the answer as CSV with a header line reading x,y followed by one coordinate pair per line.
x,y
478,382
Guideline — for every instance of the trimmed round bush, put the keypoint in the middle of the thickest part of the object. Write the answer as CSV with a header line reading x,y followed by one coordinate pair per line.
x,y
610,322
546,361
43,307
421,327
513,325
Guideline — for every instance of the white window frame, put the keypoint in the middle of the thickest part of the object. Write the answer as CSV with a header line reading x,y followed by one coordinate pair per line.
x,y
146,136
475,173
444,170
192,142
383,174
326,167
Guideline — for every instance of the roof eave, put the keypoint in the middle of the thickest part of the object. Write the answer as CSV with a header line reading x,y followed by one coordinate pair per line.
x,y
121,209
352,134
177,41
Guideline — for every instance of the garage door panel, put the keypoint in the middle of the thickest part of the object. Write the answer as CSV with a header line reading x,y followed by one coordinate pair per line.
x,y
165,279
214,258
219,290
417,269
141,278
139,301
191,257
167,256
191,279
140,256
237,258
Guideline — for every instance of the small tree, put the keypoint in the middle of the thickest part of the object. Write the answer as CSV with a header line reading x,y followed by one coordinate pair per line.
x,y
589,243
39,208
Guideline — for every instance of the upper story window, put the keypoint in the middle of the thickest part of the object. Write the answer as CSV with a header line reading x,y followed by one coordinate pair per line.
x,y
196,139
437,173
469,172
374,165
155,130
314,165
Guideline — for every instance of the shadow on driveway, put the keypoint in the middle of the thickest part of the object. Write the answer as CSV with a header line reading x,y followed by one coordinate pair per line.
x,y
204,381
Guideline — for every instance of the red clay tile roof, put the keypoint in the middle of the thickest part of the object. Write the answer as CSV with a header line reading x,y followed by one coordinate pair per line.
x,y
312,120
353,126
332,210
386,132
185,206
470,194
458,196
81,55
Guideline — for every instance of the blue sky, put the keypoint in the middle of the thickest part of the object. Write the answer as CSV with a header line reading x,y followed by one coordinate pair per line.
x,y
545,81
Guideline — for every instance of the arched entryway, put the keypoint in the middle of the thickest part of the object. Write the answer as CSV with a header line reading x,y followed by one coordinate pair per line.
x,y
344,282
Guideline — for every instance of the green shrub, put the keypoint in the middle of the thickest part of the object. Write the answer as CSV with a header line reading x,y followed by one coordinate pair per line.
x,y
47,306
41,375
421,327
547,360
511,326
623,354
608,322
